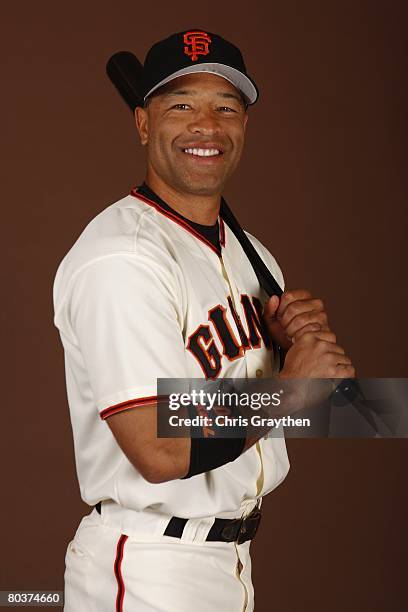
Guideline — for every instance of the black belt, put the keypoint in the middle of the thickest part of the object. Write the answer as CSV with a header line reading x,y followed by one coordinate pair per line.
x,y
223,530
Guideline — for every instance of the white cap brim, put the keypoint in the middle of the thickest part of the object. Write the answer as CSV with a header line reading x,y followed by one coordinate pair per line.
x,y
237,78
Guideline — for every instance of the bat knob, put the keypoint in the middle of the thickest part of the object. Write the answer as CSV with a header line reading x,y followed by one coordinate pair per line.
x,y
346,392
125,71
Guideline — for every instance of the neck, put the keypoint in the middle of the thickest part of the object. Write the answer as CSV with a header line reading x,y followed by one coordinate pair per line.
x,y
203,209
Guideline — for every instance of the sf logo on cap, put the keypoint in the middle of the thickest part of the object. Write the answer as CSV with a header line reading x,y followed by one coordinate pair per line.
x,y
196,44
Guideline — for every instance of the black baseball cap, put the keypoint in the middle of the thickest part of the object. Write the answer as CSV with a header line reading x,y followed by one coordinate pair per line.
x,y
193,51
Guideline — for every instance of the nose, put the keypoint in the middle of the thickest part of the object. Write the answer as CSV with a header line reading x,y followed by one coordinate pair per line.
x,y
204,122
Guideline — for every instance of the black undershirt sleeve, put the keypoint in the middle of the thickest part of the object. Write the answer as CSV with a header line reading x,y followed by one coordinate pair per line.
x,y
210,453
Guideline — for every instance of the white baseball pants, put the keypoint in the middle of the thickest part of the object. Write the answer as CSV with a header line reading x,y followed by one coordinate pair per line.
x,y
120,562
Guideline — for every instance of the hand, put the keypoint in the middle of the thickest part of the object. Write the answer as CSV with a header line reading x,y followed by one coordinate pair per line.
x,y
299,324
293,315
316,355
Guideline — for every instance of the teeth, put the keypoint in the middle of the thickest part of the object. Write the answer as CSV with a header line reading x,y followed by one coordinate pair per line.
x,y
202,152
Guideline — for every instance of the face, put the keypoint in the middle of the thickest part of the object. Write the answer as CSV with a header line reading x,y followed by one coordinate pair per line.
x,y
194,133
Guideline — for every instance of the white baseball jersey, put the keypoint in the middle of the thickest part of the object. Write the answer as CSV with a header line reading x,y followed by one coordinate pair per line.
x,y
142,296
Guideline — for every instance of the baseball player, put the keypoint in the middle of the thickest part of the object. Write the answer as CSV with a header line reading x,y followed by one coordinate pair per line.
x,y
157,286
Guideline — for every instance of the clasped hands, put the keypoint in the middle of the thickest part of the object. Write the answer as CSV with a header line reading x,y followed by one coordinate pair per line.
x,y
299,324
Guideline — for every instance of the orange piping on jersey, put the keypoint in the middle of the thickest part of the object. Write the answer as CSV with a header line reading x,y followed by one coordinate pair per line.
x,y
180,222
117,567
130,404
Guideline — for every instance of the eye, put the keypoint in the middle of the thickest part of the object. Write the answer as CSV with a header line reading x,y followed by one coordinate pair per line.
x,y
227,109
181,106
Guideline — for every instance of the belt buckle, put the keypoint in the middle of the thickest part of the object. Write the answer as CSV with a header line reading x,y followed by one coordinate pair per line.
x,y
249,526
231,531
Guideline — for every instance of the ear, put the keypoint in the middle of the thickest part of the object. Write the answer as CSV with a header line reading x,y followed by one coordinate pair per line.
x,y
142,124
245,120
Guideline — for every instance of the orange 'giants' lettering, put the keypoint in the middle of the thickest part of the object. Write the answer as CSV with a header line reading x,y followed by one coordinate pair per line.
x,y
256,324
202,345
242,334
232,349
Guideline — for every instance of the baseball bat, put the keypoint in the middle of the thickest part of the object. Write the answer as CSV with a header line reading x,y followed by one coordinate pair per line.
x,y
125,72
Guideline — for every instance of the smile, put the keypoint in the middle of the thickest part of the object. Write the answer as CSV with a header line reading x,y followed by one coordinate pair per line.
x,y
203,152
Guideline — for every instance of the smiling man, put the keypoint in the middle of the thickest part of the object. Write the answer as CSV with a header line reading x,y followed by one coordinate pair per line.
x,y
157,286
191,165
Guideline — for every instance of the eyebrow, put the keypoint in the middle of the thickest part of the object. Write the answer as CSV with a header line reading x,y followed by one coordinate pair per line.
x,y
184,92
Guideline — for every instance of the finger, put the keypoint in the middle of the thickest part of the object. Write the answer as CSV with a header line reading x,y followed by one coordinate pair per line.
x,y
278,334
291,296
329,349
310,327
299,307
345,371
311,337
339,370
271,307
332,361
306,318
343,360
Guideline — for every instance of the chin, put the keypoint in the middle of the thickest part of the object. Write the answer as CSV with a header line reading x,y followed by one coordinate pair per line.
x,y
204,190
201,187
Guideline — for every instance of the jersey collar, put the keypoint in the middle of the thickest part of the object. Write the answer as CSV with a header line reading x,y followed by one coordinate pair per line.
x,y
163,208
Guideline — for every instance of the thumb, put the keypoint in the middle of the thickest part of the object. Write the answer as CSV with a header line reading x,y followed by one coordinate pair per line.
x,y
275,329
271,307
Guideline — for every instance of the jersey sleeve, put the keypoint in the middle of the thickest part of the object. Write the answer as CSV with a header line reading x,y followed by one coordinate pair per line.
x,y
126,317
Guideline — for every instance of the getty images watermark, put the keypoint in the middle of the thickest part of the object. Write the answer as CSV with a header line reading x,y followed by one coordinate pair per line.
x,y
215,409
272,407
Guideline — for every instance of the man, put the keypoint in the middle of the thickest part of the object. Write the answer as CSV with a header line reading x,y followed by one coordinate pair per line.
x,y
157,286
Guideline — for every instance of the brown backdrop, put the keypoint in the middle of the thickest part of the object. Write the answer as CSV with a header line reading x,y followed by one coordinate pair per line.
x,y
322,184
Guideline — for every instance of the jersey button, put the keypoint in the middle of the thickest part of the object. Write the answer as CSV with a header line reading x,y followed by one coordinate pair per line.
x,y
259,373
